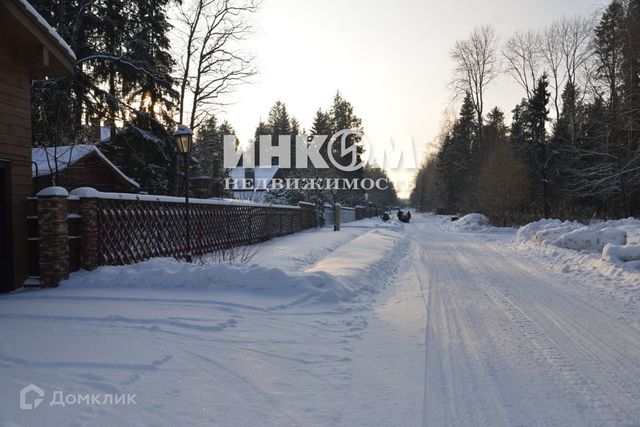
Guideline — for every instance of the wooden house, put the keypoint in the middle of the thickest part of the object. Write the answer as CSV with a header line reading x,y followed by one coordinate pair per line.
x,y
78,166
29,48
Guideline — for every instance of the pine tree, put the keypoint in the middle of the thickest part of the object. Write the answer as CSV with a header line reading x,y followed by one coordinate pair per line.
x,y
482,146
538,116
612,173
609,48
564,149
122,73
518,129
630,138
262,129
380,198
454,159
503,184
279,124
209,152
295,132
323,125
343,117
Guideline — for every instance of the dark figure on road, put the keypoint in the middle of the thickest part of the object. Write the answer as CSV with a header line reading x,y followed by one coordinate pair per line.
x,y
404,217
385,217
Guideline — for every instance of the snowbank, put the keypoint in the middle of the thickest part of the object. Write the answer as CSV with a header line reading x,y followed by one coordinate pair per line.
x,y
576,236
339,276
627,257
586,239
360,266
607,248
546,229
166,273
470,222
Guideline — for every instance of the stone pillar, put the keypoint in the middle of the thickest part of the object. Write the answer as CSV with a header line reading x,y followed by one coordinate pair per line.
x,y
88,226
54,235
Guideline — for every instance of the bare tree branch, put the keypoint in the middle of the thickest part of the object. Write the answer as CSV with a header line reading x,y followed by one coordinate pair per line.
x,y
476,66
213,62
524,57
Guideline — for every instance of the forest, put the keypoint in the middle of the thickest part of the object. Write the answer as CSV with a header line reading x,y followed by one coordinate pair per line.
x,y
571,147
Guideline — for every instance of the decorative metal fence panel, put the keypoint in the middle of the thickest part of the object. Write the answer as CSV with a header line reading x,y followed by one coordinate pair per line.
x,y
131,231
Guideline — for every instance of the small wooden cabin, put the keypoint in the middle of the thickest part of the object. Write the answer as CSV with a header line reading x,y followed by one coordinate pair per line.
x,y
78,166
29,48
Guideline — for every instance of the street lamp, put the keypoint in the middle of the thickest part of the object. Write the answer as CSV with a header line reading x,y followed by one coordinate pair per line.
x,y
336,212
184,140
219,192
366,204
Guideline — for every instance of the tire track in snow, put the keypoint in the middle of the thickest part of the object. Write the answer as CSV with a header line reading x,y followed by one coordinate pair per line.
x,y
591,393
453,357
569,351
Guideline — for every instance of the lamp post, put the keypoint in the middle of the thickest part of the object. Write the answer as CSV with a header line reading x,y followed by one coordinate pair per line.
x,y
366,205
336,213
217,178
184,140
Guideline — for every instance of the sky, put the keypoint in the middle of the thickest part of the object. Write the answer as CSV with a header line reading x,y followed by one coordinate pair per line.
x,y
390,59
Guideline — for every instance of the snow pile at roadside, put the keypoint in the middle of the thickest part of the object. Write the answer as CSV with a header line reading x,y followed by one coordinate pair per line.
x,y
587,239
627,257
576,236
604,245
470,222
546,230
362,265
336,277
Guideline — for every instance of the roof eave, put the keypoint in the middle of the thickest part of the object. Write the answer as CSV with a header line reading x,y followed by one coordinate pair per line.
x,y
63,60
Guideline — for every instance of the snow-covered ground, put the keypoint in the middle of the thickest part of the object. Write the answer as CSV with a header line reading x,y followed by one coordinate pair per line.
x,y
430,323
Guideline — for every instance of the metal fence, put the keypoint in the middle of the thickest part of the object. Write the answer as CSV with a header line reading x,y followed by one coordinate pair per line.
x,y
346,215
116,229
130,231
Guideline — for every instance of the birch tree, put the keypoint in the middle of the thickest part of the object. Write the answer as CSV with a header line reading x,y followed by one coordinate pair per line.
x,y
476,67
523,54
213,60
567,51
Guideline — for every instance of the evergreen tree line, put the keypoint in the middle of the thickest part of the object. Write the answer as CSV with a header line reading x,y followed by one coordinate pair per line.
x,y
341,115
581,162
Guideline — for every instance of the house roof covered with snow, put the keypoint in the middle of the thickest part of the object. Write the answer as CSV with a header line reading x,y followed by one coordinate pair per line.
x,y
261,177
47,160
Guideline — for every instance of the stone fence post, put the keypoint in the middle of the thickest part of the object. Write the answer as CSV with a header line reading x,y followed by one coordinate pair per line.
x,y
54,235
88,226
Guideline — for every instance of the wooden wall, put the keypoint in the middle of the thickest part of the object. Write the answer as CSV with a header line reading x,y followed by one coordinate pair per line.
x,y
89,171
15,146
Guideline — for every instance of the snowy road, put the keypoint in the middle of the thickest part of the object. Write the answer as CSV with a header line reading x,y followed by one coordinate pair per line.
x,y
505,345
378,325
